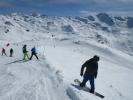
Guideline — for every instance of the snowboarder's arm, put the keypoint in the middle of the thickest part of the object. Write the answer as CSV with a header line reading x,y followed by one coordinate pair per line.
x,y
96,71
82,69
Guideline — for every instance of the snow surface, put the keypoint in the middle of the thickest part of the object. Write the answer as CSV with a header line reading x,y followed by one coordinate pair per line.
x,y
61,55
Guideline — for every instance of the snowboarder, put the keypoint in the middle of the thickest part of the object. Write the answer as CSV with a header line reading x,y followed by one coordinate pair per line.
x,y
25,52
33,52
91,66
3,52
11,52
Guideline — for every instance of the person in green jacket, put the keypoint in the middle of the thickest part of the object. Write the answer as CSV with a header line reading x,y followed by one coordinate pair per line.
x,y
25,52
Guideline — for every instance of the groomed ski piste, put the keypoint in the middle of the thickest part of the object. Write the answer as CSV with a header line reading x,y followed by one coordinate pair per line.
x,y
50,77
60,61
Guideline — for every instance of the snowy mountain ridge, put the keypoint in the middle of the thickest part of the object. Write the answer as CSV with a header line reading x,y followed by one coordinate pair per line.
x,y
115,32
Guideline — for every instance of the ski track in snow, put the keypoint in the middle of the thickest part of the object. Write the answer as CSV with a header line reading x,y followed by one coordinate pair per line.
x,y
31,80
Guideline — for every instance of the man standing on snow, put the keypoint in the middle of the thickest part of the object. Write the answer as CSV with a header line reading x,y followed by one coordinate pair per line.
x,y
11,52
33,52
25,52
91,66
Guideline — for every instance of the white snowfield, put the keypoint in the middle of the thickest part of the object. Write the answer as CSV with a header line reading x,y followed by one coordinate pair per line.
x,y
61,56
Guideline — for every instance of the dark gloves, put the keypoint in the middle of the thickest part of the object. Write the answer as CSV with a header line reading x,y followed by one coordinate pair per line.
x,y
82,70
81,74
96,75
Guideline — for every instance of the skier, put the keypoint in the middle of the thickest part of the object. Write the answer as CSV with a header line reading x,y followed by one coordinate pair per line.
x,y
3,52
91,66
11,52
33,52
25,52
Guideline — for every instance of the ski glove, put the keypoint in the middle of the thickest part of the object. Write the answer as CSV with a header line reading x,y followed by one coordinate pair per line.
x,y
81,74
96,75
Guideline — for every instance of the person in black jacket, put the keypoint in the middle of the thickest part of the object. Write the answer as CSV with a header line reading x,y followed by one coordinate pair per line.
x,y
11,52
91,66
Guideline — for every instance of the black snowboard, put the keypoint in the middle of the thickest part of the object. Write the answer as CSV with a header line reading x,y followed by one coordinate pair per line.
x,y
87,89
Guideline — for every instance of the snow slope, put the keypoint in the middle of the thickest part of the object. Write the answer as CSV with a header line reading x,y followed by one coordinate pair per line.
x,y
114,77
31,80
63,45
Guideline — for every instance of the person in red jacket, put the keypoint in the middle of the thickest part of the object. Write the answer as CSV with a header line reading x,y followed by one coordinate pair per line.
x,y
3,52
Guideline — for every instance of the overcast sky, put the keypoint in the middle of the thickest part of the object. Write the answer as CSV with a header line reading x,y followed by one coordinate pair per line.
x,y
66,7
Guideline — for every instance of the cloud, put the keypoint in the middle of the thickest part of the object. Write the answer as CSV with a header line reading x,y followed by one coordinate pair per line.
x,y
108,1
62,1
73,6
5,4
77,1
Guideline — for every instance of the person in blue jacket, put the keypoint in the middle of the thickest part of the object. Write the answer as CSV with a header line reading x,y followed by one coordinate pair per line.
x,y
33,52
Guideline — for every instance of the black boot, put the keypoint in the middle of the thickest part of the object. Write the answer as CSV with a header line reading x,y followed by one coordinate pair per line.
x,y
92,91
82,85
